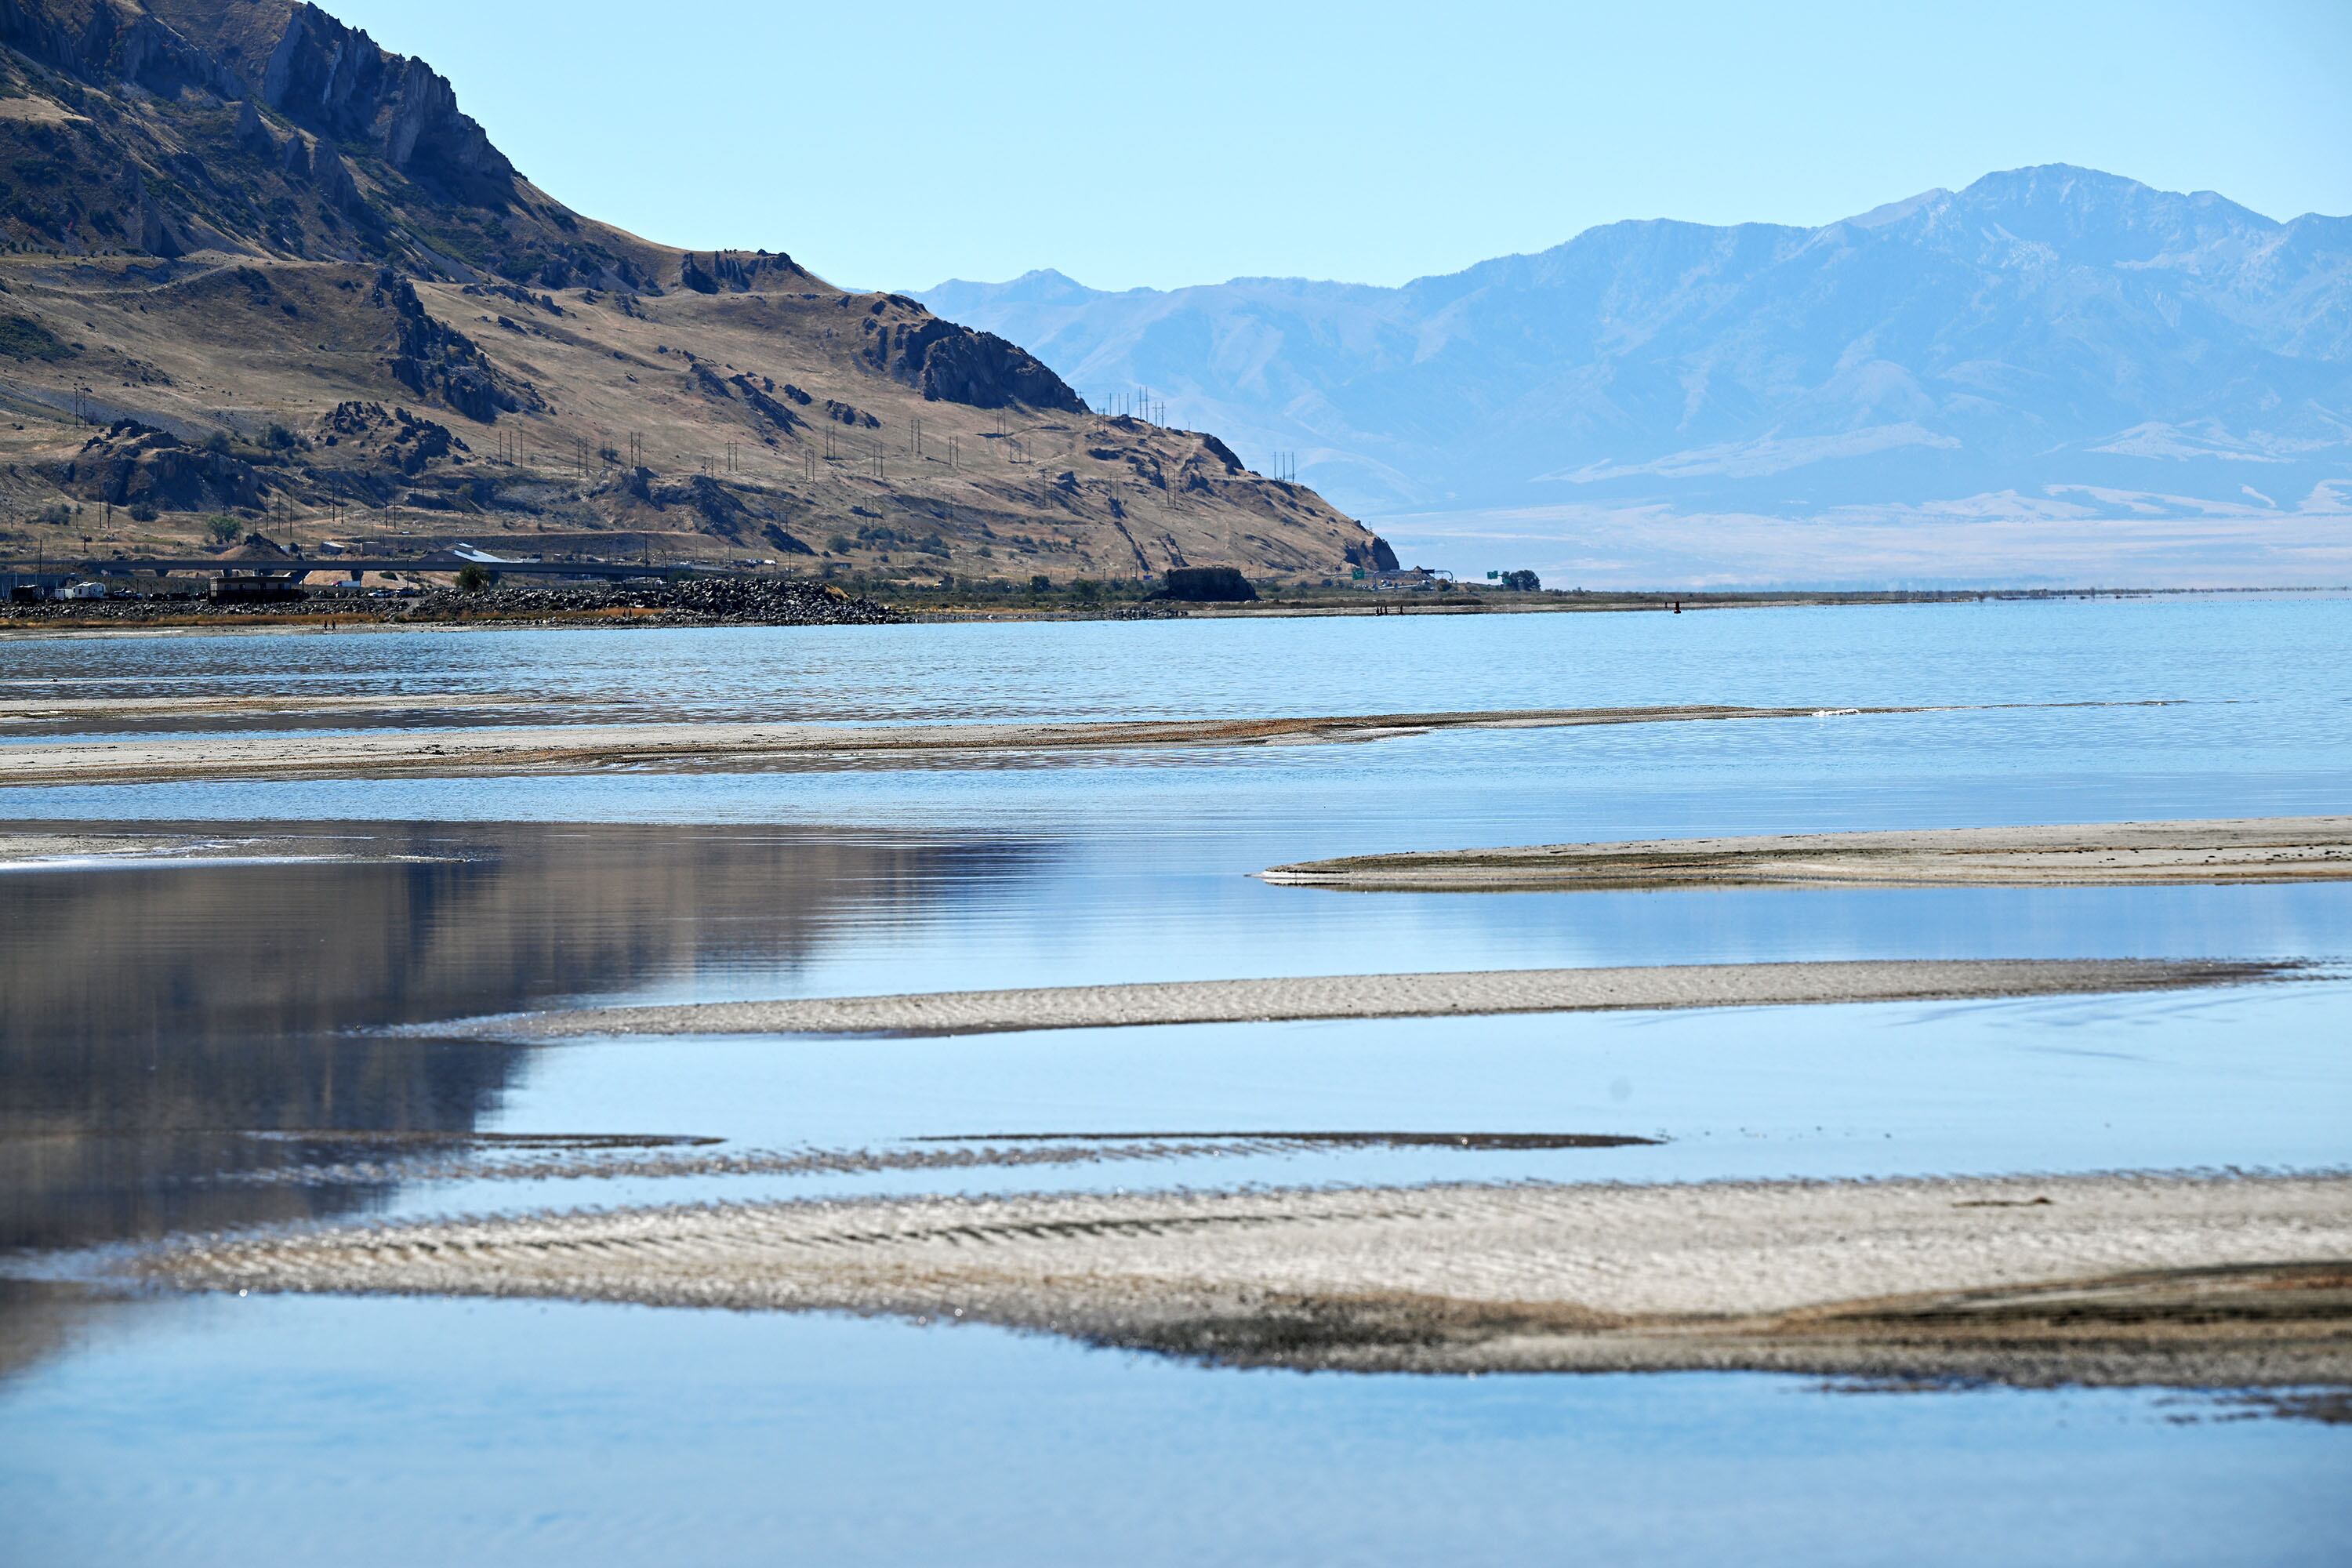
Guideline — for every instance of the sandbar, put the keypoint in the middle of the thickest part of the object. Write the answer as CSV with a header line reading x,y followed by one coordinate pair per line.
x,y
2106,854
574,748
1438,995
2191,1281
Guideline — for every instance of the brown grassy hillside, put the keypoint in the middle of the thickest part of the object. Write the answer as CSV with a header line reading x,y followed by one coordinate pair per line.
x,y
253,266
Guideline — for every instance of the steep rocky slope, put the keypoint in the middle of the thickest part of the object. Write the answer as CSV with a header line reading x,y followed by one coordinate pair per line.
x,y
252,263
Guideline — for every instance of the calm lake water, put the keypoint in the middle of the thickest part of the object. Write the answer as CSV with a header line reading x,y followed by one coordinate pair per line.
x,y
195,1046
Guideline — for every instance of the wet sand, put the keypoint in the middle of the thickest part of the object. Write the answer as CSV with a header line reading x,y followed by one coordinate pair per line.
x,y
1458,992
341,1160
573,748
2119,854
2158,1278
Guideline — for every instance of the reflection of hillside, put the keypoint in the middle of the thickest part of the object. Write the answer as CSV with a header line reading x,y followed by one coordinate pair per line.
x,y
148,1015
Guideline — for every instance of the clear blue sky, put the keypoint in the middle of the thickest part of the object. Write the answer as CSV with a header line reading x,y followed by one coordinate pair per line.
x,y
899,145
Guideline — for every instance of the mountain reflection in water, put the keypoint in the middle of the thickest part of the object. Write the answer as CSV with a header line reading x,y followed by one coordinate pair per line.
x,y
154,1019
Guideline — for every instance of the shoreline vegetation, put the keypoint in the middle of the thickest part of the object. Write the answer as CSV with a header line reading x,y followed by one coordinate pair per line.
x,y
2143,1278
510,749
2125,854
861,601
1446,993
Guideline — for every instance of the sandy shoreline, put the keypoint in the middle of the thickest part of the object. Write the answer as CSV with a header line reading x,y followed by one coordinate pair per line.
x,y
527,749
1446,993
2185,1281
2134,853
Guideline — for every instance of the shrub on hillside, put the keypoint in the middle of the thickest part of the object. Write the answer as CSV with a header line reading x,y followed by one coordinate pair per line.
x,y
1206,584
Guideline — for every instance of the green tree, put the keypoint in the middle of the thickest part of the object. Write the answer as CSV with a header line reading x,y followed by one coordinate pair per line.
x,y
223,529
472,578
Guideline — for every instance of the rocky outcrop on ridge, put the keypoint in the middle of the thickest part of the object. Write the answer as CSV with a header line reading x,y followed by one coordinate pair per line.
x,y
952,363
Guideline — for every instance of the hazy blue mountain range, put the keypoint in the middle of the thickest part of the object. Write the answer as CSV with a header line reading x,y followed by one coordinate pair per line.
x,y
2051,347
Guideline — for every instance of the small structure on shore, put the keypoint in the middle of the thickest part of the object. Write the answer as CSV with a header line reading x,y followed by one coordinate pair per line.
x,y
1411,579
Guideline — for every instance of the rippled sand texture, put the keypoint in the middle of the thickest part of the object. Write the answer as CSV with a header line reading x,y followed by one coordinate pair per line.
x,y
2141,854
2137,1279
329,1158
1391,997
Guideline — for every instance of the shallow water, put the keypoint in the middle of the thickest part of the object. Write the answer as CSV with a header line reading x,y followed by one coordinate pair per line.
x,y
388,1432
392,1432
156,1017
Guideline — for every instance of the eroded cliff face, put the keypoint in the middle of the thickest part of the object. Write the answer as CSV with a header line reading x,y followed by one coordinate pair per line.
x,y
271,129
335,81
116,42
322,75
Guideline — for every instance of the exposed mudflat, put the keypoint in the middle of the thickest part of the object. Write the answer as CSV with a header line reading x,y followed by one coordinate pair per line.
x,y
1389,996
574,748
2187,1281
2130,853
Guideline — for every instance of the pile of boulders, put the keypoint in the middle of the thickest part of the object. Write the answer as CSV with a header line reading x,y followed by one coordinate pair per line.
x,y
694,601
130,612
